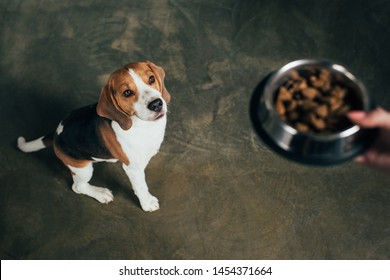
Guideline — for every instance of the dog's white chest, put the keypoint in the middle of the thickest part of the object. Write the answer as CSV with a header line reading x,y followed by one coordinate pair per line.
x,y
142,141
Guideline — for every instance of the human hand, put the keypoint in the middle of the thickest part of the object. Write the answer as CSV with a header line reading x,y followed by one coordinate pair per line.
x,y
378,155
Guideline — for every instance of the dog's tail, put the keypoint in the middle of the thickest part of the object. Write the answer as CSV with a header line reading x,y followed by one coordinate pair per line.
x,y
35,145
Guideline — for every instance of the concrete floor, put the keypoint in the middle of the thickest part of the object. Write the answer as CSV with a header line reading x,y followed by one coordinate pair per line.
x,y
223,194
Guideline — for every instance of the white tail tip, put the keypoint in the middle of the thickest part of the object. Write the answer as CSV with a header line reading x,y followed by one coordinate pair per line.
x,y
31,146
21,143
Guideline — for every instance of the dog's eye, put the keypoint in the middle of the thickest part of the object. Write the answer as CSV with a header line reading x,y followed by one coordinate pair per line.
x,y
128,93
152,79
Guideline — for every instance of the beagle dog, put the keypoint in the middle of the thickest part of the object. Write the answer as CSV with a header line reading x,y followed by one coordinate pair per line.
x,y
127,125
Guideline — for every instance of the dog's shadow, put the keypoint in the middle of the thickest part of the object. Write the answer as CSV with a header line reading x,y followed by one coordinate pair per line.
x,y
35,113
113,177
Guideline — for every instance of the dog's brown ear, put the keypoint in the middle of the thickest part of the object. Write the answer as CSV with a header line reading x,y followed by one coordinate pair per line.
x,y
161,75
108,107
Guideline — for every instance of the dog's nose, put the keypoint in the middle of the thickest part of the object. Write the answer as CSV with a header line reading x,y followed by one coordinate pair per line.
x,y
155,105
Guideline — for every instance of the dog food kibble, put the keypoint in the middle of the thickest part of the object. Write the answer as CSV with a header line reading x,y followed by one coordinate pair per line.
x,y
314,102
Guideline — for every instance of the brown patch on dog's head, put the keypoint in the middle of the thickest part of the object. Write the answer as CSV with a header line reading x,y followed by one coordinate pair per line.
x,y
120,94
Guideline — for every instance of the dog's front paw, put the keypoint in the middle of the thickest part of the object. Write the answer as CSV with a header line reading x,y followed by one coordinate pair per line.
x,y
149,203
104,195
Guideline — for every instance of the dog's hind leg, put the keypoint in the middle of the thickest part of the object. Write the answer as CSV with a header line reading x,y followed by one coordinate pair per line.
x,y
81,177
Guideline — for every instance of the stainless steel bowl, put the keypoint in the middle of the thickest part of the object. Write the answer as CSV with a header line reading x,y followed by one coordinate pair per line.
x,y
310,148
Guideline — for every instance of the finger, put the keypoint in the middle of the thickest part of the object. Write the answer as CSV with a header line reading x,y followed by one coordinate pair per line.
x,y
357,116
375,160
377,118
360,159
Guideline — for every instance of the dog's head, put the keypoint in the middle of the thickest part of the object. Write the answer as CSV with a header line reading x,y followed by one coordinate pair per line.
x,y
137,90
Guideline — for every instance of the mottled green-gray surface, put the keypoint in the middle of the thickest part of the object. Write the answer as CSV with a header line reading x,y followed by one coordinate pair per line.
x,y
223,193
